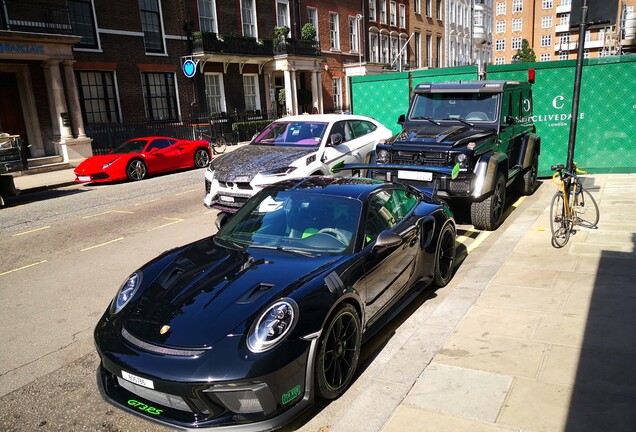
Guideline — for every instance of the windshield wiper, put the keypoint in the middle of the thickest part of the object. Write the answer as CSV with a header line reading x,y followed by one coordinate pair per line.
x,y
225,242
426,118
282,249
459,119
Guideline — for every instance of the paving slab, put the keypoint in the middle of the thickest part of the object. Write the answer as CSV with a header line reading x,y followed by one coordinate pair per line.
x,y
523,298
412,419
520,275
500,322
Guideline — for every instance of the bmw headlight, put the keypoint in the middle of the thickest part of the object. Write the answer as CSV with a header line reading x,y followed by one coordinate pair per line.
x,y
125,293
382,156
109,164
273,325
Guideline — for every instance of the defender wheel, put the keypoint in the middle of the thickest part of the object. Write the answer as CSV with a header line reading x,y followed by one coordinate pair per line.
x,y
527,182
136,170
201,158
338,353
445,256
487,214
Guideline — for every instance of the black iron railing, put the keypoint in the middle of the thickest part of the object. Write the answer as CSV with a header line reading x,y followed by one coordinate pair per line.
x,y
205,42
35,17
296,47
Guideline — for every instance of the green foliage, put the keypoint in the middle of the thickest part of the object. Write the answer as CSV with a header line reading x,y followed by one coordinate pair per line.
x,y
308,32
281,31
525,54
245,130
281,97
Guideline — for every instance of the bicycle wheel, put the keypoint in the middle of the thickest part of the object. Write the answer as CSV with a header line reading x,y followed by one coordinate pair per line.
x,y
219,145
559,223
586,211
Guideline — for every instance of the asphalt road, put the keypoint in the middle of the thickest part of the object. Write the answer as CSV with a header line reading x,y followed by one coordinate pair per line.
x,y
64,254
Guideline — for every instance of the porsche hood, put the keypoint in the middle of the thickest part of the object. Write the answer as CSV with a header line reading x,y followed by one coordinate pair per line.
x,y
204,292
244,163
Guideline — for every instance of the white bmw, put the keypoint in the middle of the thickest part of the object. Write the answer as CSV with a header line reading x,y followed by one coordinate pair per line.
x,y
290,147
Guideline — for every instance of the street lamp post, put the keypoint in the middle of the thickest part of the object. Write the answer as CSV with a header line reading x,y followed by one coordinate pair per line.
x,y
359,18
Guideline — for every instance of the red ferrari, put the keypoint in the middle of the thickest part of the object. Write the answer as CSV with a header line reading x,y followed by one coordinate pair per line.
x,y
138,157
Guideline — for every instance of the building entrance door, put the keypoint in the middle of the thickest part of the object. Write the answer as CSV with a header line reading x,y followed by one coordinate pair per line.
x,y
11,115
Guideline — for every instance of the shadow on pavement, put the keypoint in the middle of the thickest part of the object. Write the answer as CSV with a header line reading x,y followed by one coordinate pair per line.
x,y
41,195
604,393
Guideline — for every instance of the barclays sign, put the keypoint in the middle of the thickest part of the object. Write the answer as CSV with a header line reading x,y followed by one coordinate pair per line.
x,y
21,48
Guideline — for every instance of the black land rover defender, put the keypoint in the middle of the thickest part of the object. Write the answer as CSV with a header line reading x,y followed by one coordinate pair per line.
x,y
469,141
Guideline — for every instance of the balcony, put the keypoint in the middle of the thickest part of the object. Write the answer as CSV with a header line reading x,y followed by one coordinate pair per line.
x,y
34,17
563,9
562,28
231,45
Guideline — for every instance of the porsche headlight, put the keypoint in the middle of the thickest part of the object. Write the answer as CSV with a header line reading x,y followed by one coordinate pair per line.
x,y
125,293
273,325
382,156
109,164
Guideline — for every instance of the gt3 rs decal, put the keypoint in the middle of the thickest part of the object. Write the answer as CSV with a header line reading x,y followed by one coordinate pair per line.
x,y
143,407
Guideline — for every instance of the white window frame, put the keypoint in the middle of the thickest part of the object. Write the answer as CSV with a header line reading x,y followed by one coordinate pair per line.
x,y
429,8
354,35
249,13
256,96
517,24
337,93
501,8
500,45
384,49
565,19
500,27
334,31
312,17
515,43
284,19
546,22
402,18
220,96
374,47
394,45
393,13
417,49
546,40
372,10
417,6
564,55
544,57
162,30
382,11
429,50
517,6
438,9
211,21
546,4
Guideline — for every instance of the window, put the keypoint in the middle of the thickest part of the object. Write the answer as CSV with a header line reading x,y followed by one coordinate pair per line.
x,y
586,53
517,6
207,16
438,52
282,13
373,47
500,44
371,10
160,96
546,40
499,60
564,40
384,49
588,36
151,25
564,55
438,9
417,49
516,43
83,23
386,209
393,13
252,95
248,17
417,6
361,128
402,16
354,37
501,9
546,22
479,19
500,27
97,97
516,24
337,93
312,17
395,49
566,2
544,57
383,11
334,32
429,50
546,4
215,94
429,8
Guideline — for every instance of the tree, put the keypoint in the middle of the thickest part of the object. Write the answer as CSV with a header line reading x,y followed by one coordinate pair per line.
x,y
525,54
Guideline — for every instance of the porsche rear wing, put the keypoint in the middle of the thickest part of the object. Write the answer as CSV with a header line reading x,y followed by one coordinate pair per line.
x,y
446,171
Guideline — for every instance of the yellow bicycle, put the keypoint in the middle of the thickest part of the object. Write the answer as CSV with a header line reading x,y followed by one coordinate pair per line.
x,y
572,205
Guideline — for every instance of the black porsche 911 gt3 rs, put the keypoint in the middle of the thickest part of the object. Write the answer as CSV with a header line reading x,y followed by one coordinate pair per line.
x,y
245,328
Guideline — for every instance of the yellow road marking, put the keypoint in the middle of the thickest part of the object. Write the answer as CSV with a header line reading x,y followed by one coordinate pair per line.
x,y
22,268
513,207
461,238
174,221
482,236
109,211
146,202
32,231
103,244
188,191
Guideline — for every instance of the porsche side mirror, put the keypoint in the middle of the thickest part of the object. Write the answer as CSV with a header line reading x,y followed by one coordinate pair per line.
x,y
386,240
401,119
336,139
221,220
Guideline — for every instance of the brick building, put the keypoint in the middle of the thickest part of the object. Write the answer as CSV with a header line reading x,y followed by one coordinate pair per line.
x,y
427,30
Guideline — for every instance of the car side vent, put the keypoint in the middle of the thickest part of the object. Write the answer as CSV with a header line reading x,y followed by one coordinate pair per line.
x,y
333,282
170,278
255,293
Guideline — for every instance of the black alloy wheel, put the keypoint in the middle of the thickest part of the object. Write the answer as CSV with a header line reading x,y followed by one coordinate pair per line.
x,y
445,256
338,353
487,214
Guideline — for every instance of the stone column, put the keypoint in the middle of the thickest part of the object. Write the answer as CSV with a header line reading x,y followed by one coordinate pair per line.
x,y
321,107
57,106
77,123
316,88
294,95
289,104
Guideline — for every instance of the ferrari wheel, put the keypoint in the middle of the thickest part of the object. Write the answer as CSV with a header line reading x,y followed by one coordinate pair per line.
x,y
201,158
338,353
445,256
136,170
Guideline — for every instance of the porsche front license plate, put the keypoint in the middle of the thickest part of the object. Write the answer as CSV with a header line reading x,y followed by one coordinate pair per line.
x,y
226,198
84,178
137,380
415,175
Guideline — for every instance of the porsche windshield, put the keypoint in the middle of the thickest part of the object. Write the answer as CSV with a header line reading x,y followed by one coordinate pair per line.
x,y
134,146
448,106
295,221
292,133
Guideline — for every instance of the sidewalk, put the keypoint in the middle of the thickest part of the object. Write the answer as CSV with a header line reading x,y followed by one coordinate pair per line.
x,y
547,341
